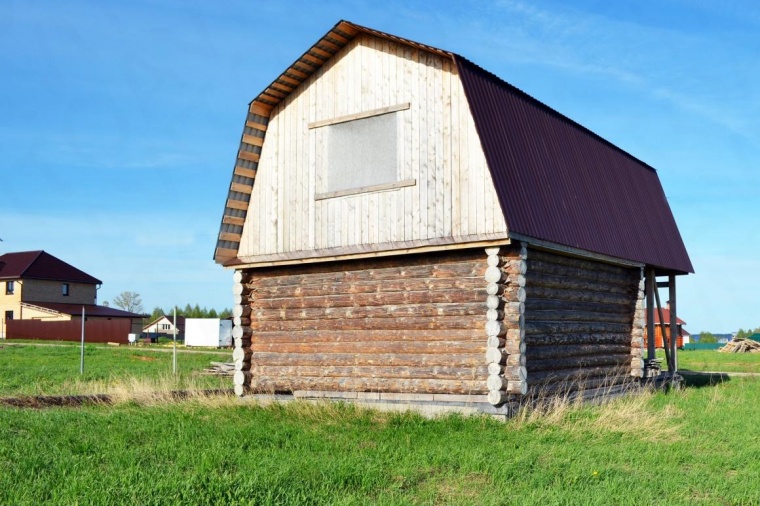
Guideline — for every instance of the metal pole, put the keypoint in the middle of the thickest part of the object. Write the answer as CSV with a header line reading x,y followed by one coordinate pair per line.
x,y
174,353
81,351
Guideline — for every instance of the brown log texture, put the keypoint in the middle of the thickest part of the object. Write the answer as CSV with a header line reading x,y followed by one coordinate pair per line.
x,y
578,320
409,324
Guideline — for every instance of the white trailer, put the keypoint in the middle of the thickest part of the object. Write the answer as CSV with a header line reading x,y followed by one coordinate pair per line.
x,y
212,332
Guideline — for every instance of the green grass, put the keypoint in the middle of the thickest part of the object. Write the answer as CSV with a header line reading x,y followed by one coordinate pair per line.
x,y
28,369
693,446
713,360
696,446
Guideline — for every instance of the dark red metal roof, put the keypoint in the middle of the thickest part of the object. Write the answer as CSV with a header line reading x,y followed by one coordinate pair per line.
x,y
559,182
89,310
41,265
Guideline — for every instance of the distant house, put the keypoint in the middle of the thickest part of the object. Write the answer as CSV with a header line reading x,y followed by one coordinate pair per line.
x,y
682,337
165,326
755,337
35,285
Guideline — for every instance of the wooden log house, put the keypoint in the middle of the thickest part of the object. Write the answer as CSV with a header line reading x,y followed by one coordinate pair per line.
x,y
405,226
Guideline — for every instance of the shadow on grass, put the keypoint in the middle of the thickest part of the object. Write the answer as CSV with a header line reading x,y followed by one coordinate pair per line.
x,y
695,379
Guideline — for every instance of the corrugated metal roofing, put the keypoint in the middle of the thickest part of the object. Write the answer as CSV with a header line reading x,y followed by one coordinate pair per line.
x,y
41,265
559,182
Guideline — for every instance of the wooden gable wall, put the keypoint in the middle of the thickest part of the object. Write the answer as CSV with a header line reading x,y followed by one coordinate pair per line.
x,y
452,201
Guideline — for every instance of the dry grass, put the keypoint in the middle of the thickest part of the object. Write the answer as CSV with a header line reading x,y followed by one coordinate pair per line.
x,y
632,413
163,389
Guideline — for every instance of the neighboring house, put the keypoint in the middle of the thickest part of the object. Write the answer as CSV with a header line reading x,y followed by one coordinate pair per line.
x,y
406,226
35,285
165,326
682,336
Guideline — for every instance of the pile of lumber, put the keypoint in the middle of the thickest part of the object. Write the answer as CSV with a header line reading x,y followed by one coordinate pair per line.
x,y
220,369
741,346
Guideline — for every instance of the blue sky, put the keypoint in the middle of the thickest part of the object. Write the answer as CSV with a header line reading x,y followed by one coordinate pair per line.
x,y
119,121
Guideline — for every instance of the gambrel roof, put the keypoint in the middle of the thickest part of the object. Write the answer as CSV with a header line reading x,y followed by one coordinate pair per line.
x,y
557,182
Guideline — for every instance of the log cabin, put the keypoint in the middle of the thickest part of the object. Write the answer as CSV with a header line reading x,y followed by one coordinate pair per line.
x,y
405,226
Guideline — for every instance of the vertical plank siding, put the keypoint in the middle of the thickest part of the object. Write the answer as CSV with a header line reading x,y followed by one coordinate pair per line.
x,y
582,327
453,197
406,324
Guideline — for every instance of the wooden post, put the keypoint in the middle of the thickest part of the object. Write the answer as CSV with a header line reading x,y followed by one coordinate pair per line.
x,y
650,288
673,321
663,330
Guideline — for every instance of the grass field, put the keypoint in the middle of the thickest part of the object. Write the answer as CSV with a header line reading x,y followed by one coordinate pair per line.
x,y
712,360
694,446
30,369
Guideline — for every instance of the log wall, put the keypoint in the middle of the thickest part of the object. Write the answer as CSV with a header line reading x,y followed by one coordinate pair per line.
x,y
408,324
583,326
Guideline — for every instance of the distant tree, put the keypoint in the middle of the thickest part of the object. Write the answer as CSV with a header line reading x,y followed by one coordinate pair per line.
x,y
742,334
212,313
225,313
129,301
105,303
156,314
707,337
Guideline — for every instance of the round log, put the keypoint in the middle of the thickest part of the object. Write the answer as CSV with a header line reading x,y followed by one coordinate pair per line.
x,y
496,328
496,397
496,382
494,315
493,261
494,289
240,390
241,378
521,294
494,368
494,275
237,277
242,342
495,342
237,288
492,251
237,332
516,359
496,356
517,387
494,302
242,366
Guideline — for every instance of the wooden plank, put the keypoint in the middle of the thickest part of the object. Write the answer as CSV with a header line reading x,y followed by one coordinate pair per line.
x,y
379,312
330,45
237,204
253,140
225,253
282,87
313,60
338,37
297,73
233,220
260,109
256,126
229,236
248,155
321,53
365,189
241,188
245,172
404,347
360,115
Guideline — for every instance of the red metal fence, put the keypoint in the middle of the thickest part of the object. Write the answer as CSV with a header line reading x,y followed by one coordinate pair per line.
x,y
95,331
